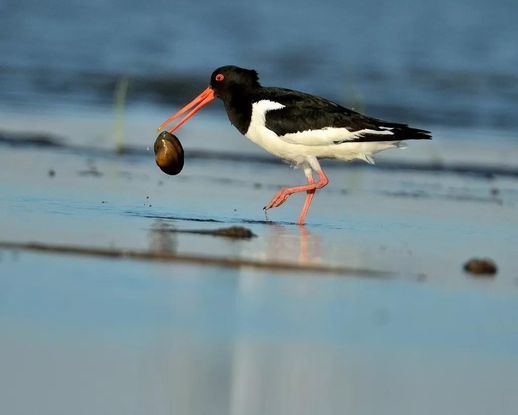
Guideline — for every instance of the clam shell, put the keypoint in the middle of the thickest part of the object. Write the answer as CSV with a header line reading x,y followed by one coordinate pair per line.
x,y
169,153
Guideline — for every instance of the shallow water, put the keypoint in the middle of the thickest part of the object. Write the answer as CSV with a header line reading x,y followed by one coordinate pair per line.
x,y
90,334
131,197
115,337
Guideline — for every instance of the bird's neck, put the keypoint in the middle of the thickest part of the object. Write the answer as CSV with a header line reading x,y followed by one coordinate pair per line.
x,y
239,108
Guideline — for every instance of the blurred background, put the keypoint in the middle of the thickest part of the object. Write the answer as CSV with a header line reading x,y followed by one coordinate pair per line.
x,y
446,63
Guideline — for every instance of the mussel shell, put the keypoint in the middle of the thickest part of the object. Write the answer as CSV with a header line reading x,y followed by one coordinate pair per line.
x,y
168,153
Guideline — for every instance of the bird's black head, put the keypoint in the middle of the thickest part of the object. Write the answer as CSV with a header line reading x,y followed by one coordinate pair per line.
x,y
229,80
232,84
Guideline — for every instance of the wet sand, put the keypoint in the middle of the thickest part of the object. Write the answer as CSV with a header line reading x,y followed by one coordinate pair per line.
x,y
113,280
404,215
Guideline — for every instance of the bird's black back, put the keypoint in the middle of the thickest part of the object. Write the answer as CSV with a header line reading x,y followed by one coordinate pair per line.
x,y
308,112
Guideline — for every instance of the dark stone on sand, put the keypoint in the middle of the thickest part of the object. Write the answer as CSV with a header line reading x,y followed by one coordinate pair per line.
x,y
238,232
169,155
235,232
481,267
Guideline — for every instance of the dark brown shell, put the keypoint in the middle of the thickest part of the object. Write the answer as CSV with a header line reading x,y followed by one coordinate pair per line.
x,y
168,153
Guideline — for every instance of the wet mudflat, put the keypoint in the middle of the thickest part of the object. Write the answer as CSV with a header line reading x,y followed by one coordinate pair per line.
x,y
366,309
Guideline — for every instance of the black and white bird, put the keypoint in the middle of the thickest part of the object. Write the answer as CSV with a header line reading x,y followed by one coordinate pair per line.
x,y
297,127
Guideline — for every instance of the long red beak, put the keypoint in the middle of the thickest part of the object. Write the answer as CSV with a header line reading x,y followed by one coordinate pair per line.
x,y
198,103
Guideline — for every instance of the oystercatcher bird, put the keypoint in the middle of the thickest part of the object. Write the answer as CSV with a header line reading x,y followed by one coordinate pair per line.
x,y
297,127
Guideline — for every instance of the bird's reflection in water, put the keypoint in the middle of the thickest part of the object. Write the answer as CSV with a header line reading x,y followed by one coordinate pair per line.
x,y
309,251
281,243
293,245
162,238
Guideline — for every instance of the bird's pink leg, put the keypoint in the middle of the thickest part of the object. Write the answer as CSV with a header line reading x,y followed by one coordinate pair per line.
x,y
307,203
283,194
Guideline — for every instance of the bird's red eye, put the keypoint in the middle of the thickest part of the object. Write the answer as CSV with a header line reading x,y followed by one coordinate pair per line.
x,y
219,77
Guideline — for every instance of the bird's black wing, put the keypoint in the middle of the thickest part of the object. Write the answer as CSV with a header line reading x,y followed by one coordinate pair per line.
x,y
318,118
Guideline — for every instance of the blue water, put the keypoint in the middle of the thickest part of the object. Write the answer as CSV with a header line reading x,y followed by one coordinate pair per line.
x,y
433,63
166,338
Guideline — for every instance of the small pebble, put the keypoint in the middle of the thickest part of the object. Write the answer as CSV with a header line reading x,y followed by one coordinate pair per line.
x,y
481,266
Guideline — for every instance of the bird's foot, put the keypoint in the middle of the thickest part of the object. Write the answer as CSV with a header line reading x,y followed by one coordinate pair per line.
x,y
281,197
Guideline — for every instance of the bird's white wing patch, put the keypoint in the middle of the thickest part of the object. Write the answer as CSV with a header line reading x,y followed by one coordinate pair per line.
x,y
385,131
328,135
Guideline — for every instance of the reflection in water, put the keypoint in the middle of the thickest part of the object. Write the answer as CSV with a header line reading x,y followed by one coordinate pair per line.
x,y
293,244
161,239
309,247
214,340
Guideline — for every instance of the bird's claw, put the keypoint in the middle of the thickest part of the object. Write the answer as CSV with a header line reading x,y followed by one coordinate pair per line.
x,y
278,200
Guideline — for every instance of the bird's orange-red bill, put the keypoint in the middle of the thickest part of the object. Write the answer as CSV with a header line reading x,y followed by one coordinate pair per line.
x,y
198,103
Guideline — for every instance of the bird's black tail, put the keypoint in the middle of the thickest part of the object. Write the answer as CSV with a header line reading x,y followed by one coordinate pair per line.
x,y
404,132
399,132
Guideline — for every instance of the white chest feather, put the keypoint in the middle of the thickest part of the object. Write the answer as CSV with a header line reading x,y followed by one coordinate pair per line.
x,y
257,131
